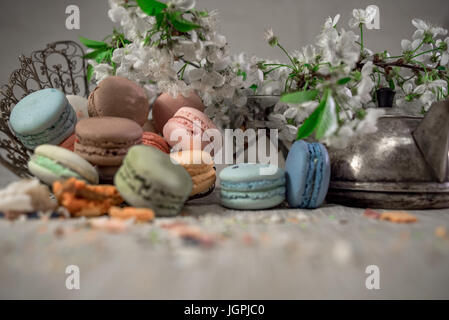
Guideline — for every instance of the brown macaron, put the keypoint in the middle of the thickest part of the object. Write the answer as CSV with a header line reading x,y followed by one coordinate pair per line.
x,y
105,141
165,107
119,97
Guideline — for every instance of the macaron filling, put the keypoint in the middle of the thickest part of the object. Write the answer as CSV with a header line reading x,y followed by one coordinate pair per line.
x,y
253,185
55,167
259,194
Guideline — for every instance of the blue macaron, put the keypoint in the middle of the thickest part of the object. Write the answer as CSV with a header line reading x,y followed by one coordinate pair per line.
x,y
308,174
43,117
249,186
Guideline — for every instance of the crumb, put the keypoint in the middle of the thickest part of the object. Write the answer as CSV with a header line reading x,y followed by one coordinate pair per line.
x,y
369,213
398,217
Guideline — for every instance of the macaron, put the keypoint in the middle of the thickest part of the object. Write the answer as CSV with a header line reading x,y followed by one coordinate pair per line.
x,y
79,104
52,163
249,186
308,174
165,106
105,141
148,179
69,143
43,117
154,140
200,166
190,129
119,97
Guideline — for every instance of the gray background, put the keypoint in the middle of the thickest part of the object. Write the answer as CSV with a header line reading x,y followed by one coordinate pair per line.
x,y
28,25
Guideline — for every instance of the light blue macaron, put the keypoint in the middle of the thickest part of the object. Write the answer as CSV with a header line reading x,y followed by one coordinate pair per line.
x,y
43,117
249,186
308,174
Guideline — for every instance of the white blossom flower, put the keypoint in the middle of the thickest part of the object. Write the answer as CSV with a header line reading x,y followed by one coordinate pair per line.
x,y
270,38
408,89
339,49
424,29
428,91
331,23
361,16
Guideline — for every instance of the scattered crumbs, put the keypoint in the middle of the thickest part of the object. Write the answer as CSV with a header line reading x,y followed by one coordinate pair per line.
x,y
113,225
370,213
441,232
343,221
293,220
398,217
248,239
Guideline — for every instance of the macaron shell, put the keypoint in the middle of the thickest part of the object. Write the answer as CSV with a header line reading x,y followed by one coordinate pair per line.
x,y
323,175
252,200
38,111
203,181
108,132
165,106
248,172
296,169
189,128
119,97
70,160
155,140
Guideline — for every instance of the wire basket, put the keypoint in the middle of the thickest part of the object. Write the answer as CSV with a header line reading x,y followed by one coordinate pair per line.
x,y
60,65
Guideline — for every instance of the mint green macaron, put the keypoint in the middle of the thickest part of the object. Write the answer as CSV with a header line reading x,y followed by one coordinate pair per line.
x,y
52,163
149,179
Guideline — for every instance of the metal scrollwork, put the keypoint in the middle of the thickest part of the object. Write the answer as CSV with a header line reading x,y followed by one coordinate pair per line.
x,y
60,65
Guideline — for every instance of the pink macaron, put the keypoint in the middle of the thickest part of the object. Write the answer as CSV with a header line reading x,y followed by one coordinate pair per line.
x,y
190,129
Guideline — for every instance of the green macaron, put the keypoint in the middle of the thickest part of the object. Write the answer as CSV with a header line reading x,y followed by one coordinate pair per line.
x,y
148,178
51,163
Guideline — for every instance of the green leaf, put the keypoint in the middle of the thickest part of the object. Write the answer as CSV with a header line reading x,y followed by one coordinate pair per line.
x,y
254,87
90,72
181,24
310,123
93,54
104,56
441,68
299,96
151,7
93,44
322,120
327,120
391,83
343,81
